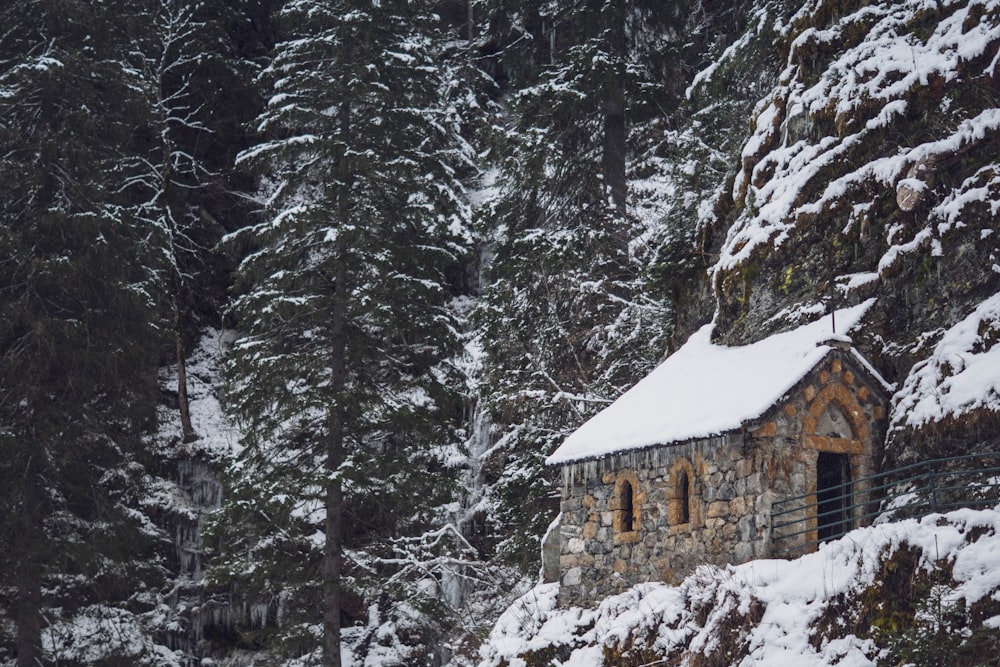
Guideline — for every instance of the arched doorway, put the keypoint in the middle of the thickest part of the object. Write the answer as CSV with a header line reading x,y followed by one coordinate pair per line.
x,y
833,495
835,429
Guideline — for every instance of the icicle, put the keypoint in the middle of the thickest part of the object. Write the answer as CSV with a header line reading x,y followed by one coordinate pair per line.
x,y
203,494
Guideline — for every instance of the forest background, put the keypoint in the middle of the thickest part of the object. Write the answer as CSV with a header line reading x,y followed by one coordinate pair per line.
x,y
297,296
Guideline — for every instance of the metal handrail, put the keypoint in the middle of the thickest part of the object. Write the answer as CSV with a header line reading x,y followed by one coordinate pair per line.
x,y
863,500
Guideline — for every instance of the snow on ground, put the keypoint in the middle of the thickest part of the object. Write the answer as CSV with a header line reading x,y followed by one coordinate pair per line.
x,y
95,632
779,606
684,397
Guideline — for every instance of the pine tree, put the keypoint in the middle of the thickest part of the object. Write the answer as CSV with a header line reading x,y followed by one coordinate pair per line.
x,y
566,317
343,378
77,347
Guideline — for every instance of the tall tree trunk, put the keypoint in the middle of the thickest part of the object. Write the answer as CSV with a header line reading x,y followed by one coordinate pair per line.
x,y
333,549
333,546
614,109
470,21
29,576
29,615
332,560
177,279
187,429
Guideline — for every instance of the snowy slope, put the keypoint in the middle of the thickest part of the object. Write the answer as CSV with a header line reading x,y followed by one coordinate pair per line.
x,y
961,375
865,88
159,625
886,594
218,437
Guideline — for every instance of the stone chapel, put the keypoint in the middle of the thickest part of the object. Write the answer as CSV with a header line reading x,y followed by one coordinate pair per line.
x,y
684,468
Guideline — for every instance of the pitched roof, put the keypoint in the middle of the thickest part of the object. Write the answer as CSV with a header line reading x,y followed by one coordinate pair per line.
x,y
705,389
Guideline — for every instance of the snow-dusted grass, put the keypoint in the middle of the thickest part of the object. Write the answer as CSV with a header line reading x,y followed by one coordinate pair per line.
x,y
94,633
816,610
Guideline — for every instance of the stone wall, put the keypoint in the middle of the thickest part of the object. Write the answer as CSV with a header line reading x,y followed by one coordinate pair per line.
x,y
709,501
725,495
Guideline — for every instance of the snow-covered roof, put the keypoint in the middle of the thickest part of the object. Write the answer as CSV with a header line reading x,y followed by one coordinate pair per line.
x,y
705,389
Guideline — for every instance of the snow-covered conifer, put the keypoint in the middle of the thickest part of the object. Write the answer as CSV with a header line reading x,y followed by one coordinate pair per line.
x,y
78,350
343,375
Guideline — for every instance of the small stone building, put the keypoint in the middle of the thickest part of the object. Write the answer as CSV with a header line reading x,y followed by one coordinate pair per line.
x,y
685,467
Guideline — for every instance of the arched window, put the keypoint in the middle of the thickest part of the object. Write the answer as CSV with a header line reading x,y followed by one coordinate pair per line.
x,y
684,493
626,503
681,499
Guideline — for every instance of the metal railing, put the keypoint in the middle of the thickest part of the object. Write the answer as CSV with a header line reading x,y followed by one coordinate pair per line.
x,y
800,523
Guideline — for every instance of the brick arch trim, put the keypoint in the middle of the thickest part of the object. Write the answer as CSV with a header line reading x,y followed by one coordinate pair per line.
x,y
840,395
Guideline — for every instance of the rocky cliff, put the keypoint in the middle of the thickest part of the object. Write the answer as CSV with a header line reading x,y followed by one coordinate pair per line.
x,y
871,169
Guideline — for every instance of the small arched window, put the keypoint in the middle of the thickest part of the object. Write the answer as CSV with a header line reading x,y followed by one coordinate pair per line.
x,y
682,507
626,501
684,493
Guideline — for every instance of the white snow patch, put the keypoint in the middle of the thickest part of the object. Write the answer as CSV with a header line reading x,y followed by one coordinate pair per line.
x,y
97,632
961,375
217,435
